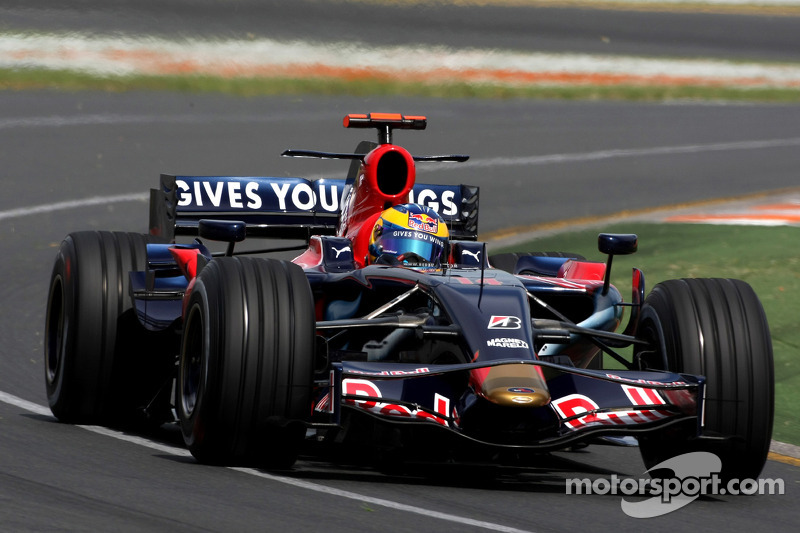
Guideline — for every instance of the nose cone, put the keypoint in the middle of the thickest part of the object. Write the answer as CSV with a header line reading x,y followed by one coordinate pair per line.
x,y
515,386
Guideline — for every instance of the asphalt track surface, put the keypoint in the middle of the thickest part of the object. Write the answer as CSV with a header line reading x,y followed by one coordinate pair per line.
x,y
536,162
543,29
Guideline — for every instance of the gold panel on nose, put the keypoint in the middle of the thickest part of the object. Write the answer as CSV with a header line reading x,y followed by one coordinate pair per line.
x,y
515,385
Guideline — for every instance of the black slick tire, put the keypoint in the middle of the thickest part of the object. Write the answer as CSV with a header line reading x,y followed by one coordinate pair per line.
x,y
99,366
716,328
246,363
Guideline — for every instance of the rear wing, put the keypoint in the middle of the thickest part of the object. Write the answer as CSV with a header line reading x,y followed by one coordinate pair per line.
x,y
286,208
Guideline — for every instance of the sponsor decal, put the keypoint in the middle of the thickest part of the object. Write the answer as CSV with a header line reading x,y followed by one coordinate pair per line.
x,y
476,255
291,194
276,193
324,405
444,201
408,234
506,342
338,251
583,411
522,390
423,222
368,389
234,194
645,381
575,404
416,371
504,322
640,396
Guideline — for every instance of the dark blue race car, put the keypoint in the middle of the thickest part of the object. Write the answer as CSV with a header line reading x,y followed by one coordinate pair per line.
x,y
393,333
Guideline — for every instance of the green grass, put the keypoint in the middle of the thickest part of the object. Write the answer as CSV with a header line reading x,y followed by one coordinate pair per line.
x,y
768,258
23,79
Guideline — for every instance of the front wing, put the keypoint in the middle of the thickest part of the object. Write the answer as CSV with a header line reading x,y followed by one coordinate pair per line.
x,y
583,403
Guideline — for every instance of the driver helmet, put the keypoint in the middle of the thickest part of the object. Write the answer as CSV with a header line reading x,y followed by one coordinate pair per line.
x,y
409,234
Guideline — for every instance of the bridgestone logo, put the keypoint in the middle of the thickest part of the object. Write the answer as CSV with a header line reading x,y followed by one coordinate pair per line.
x,y
504,322
505,342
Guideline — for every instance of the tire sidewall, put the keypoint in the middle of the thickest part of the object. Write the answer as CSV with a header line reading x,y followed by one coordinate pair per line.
x,y
57,371
198,316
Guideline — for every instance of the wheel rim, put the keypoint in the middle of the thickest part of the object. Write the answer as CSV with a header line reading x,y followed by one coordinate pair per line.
x,y
54,342
192,361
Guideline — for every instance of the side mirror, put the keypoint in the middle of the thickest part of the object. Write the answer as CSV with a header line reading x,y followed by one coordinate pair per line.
x,y
230,231
613,244
617,243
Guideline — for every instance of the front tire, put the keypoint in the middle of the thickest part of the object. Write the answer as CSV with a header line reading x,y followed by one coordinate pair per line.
x,y
716,328
100,365
246,363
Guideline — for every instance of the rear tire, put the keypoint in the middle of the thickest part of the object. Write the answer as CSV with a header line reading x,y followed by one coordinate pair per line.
x,y
716,328
100,364
246,363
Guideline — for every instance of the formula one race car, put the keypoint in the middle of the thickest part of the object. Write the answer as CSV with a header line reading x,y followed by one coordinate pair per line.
x,y
392,334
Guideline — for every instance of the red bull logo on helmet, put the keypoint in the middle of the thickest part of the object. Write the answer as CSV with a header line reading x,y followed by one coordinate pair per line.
x,y
423,222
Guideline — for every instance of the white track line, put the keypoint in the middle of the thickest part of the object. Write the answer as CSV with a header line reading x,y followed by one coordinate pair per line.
x,y
72,204
473,163
34,408
81,120
331,491
632,152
